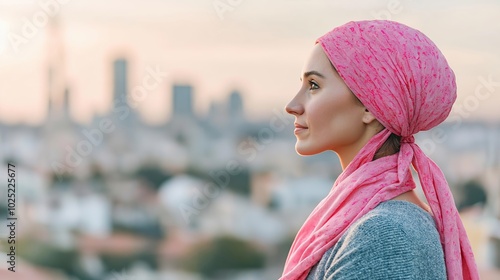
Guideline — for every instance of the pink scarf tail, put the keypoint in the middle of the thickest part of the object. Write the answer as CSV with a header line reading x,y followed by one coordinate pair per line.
x,y
458,253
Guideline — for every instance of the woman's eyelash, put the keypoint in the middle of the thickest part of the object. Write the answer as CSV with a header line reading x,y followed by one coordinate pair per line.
x,y
313,85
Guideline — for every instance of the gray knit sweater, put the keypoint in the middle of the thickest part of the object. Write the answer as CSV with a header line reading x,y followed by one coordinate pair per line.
x,y
395,240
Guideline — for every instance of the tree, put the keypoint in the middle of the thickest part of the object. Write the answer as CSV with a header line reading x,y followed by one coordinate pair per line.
x,y
225,253
472,193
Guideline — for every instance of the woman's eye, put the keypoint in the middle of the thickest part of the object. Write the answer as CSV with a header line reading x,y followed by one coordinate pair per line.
x,y
313,85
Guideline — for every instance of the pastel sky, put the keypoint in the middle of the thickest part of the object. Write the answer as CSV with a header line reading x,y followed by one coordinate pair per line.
x,y
256,46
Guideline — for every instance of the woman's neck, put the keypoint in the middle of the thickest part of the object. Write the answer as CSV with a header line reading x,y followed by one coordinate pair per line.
x,y
411,196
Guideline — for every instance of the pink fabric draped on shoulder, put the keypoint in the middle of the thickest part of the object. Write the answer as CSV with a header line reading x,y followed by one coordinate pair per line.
x,y
405,81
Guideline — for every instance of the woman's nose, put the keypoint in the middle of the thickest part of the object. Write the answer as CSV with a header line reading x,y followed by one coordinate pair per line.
x,y
294,107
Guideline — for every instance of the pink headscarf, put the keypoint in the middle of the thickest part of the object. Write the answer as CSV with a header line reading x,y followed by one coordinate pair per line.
x,y
403,79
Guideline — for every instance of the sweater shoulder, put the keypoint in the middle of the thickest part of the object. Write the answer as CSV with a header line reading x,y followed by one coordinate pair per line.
x,y
402,218
396,240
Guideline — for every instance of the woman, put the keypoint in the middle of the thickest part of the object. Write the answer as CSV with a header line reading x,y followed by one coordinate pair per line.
x,y
367,88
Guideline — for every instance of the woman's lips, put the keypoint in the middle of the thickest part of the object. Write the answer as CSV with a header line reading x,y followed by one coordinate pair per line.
x,y
299,128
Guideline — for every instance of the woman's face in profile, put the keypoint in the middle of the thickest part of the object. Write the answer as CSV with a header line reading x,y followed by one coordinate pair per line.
x,y
327,114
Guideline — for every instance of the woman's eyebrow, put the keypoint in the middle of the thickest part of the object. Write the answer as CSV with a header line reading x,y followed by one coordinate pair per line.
x,y
313,72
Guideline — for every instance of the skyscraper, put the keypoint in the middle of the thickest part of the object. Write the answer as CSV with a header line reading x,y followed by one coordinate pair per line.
x,y
235,106
182,101
57,88
66,108
120,80
123,113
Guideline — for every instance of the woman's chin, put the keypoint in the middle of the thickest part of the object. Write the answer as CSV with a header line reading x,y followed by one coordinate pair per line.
x,y
306,151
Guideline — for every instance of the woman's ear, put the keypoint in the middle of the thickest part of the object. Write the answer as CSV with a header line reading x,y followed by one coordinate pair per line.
x,y
368,117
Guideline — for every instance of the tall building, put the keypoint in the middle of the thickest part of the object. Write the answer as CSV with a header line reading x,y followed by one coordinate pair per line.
x,y
120,80
235,106
56,72
59,130
182,101
124,114
50,98
66,108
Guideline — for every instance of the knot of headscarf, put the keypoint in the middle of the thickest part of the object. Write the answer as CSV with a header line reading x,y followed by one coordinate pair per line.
x,y
403,79
408,139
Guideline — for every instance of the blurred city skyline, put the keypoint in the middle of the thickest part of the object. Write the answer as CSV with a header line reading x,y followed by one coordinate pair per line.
x,y
255,47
